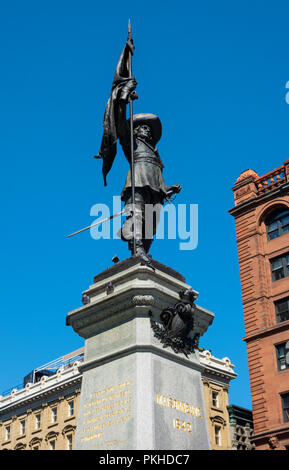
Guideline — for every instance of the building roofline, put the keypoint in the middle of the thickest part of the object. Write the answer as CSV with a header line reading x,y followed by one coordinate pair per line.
x,y
250,204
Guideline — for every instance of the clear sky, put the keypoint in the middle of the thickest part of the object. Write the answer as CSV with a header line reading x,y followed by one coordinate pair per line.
x,y
215,73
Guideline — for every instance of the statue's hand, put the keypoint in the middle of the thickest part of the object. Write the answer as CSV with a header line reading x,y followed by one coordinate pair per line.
x,y
128,91
173,189
133,96
129,44
176,188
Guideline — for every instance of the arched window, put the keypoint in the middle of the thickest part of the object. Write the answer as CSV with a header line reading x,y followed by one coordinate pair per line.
x,y
68,433
277,223
20,446
51,439
35,443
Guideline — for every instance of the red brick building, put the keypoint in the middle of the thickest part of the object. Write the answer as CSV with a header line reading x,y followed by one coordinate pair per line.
x,y
262,229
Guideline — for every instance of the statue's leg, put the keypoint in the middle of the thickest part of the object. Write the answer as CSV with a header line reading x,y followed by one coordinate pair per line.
x,y
151,217
128,231
147,244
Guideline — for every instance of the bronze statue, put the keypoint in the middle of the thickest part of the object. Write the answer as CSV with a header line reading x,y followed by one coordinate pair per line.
x,y
138,137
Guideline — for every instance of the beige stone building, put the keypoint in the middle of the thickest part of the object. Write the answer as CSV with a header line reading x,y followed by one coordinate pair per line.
x,y
42,414
216,379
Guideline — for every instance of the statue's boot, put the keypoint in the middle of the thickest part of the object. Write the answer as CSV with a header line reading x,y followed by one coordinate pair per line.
x,y
139,248
147,242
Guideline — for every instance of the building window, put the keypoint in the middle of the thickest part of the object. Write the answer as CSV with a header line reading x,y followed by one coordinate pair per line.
x,y
282,310
277,224
35,444
71,408
217,435
280,267
215,399
285,406
37,421
54,415
281,352
69,442
20,446
22,426
52,444
7,433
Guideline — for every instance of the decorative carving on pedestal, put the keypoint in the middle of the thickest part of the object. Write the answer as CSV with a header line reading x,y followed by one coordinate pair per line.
x,y
177,324
143,300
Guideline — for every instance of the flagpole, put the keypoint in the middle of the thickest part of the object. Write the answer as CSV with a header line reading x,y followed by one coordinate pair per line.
x,y
132,172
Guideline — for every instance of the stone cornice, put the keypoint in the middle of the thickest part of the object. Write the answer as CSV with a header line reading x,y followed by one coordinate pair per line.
x,y
39,391
133,293
215,367
266,434
250,204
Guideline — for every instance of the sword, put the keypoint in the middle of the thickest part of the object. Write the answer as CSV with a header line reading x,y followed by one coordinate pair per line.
x,y
97,223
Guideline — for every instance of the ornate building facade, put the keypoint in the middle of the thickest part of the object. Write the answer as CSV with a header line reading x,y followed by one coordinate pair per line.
x,y
216,382
42,414
241,427
261,215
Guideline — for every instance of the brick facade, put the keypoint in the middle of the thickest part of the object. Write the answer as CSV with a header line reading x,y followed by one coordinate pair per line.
x,y
256,199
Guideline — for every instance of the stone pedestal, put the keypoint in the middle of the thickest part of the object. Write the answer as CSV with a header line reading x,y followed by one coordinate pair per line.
x,y
136,393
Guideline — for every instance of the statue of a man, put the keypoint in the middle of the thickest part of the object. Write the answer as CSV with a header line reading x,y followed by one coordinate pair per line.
x,y
150,189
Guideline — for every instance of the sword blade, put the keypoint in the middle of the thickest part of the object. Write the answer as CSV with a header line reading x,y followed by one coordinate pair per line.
x,y
97,223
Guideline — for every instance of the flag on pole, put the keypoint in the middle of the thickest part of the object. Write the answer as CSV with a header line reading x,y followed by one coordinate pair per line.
x,y
108,146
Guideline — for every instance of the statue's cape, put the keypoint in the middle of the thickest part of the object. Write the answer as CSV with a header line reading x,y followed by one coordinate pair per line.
x,y
109,139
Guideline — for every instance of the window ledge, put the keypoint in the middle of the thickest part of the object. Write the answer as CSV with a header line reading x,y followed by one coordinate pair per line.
x,y
70,418
53,424
220,410
36,431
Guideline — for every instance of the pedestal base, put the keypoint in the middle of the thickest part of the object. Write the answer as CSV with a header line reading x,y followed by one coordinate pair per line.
x,y
135,393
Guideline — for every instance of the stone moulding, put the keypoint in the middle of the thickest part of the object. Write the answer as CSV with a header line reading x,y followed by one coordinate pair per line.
x,y
135,289
144,300
150,348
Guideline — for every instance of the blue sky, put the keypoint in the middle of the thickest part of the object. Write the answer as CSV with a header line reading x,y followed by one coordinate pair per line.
x,y
215,73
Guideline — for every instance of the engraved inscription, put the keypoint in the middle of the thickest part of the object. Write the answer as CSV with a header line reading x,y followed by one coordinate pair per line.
x,y
179,424
179,405
106,409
